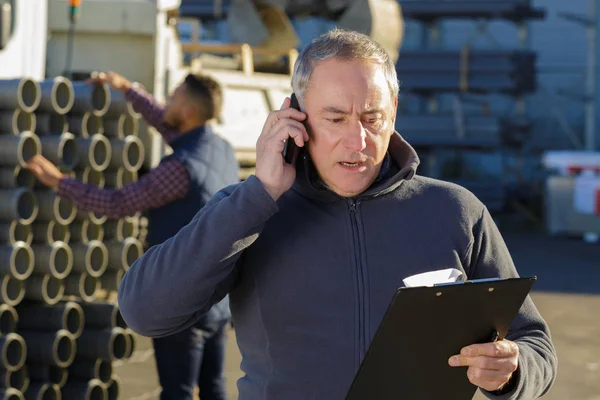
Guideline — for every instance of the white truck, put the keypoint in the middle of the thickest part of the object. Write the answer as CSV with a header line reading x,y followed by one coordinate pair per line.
x,y
141,40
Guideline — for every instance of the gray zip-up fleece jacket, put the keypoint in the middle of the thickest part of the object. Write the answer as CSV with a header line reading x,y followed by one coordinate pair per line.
x,y
311,275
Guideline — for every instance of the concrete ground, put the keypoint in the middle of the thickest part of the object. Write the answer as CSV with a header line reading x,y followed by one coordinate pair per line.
x,y
567,294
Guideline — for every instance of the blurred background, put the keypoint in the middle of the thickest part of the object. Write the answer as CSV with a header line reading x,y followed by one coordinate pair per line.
x,y
500,96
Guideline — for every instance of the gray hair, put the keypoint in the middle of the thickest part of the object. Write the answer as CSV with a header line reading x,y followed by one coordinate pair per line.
x,y
344,45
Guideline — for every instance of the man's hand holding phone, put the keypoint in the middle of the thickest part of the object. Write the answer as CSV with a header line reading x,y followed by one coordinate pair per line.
x,y
276,175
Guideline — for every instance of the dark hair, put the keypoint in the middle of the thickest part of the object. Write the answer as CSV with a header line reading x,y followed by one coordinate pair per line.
x,y
207,92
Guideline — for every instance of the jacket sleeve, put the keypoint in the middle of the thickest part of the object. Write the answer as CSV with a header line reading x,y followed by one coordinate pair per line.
x,y
537,357
176,282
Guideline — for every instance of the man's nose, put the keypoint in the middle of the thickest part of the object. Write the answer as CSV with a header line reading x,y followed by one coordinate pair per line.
x,y
355,137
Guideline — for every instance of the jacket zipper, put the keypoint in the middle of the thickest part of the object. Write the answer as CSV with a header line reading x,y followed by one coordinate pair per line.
x,y
352,204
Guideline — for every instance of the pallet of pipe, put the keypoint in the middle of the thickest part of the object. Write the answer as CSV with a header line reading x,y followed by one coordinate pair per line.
x,y
60,329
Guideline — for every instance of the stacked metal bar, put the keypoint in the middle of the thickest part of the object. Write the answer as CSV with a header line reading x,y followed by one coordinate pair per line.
x,y
425,10
480,71
59,332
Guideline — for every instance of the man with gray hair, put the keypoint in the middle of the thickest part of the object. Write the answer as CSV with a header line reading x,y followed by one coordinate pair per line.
x,y
313,251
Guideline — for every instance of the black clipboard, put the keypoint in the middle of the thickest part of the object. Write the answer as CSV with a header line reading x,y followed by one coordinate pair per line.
x,y
424,326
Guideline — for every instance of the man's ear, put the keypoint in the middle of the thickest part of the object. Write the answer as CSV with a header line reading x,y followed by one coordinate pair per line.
x,y
395,108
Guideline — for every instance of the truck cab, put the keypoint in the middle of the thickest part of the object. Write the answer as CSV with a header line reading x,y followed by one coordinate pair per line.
x,y
23,35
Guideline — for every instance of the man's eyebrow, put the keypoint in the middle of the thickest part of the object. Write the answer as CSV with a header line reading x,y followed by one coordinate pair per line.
x,y
373,111
334,110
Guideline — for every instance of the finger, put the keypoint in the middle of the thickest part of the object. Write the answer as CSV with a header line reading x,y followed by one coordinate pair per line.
x,y
290,113
487,379
286,103
284,133
35,160
506,365
43,161
37,170
500,349
289,122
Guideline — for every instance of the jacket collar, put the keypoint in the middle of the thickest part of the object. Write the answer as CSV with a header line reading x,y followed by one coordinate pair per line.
x,y
400,165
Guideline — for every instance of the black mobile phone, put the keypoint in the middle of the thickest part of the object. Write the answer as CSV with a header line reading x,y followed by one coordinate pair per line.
x,y
289,147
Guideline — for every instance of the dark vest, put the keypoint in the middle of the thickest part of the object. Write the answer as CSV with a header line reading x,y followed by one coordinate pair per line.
x,y
211,164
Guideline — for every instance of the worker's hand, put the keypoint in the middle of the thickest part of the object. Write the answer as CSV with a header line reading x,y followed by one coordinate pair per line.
x,y
490,365
275,174
114,80
45,171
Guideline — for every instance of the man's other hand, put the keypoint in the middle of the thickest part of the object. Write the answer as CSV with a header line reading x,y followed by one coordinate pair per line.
x,y
490,365
114,80
45,171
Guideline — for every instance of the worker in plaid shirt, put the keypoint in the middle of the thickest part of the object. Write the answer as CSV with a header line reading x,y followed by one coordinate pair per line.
x,y
202,163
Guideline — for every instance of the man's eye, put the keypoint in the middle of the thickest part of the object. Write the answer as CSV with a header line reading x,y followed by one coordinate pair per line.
x,y
372,120
336,120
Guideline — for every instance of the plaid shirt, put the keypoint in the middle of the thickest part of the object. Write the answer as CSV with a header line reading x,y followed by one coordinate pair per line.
x,y
164,184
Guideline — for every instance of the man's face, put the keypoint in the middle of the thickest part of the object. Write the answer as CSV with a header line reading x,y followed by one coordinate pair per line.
x,y
351,118
177,107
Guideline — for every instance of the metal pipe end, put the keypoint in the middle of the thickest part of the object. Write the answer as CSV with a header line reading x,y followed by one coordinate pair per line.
x,y
130,342
96,390
103,370
117,318
113,387
131,250
64,348
13,394
20,233
18,380
52,290
91,125
14,352
96,258
83,285
99,153
43,391
23,121
64,210
128,126
73,319
58,233
118,344
63,95
27,206
8,319
58,375
29,95
61,260
29,146
101,99
12,291
22,261
67,151
91,176
91,231
133,153
24,177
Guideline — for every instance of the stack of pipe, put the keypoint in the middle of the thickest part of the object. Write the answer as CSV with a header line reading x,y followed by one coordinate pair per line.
x,y
60,329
